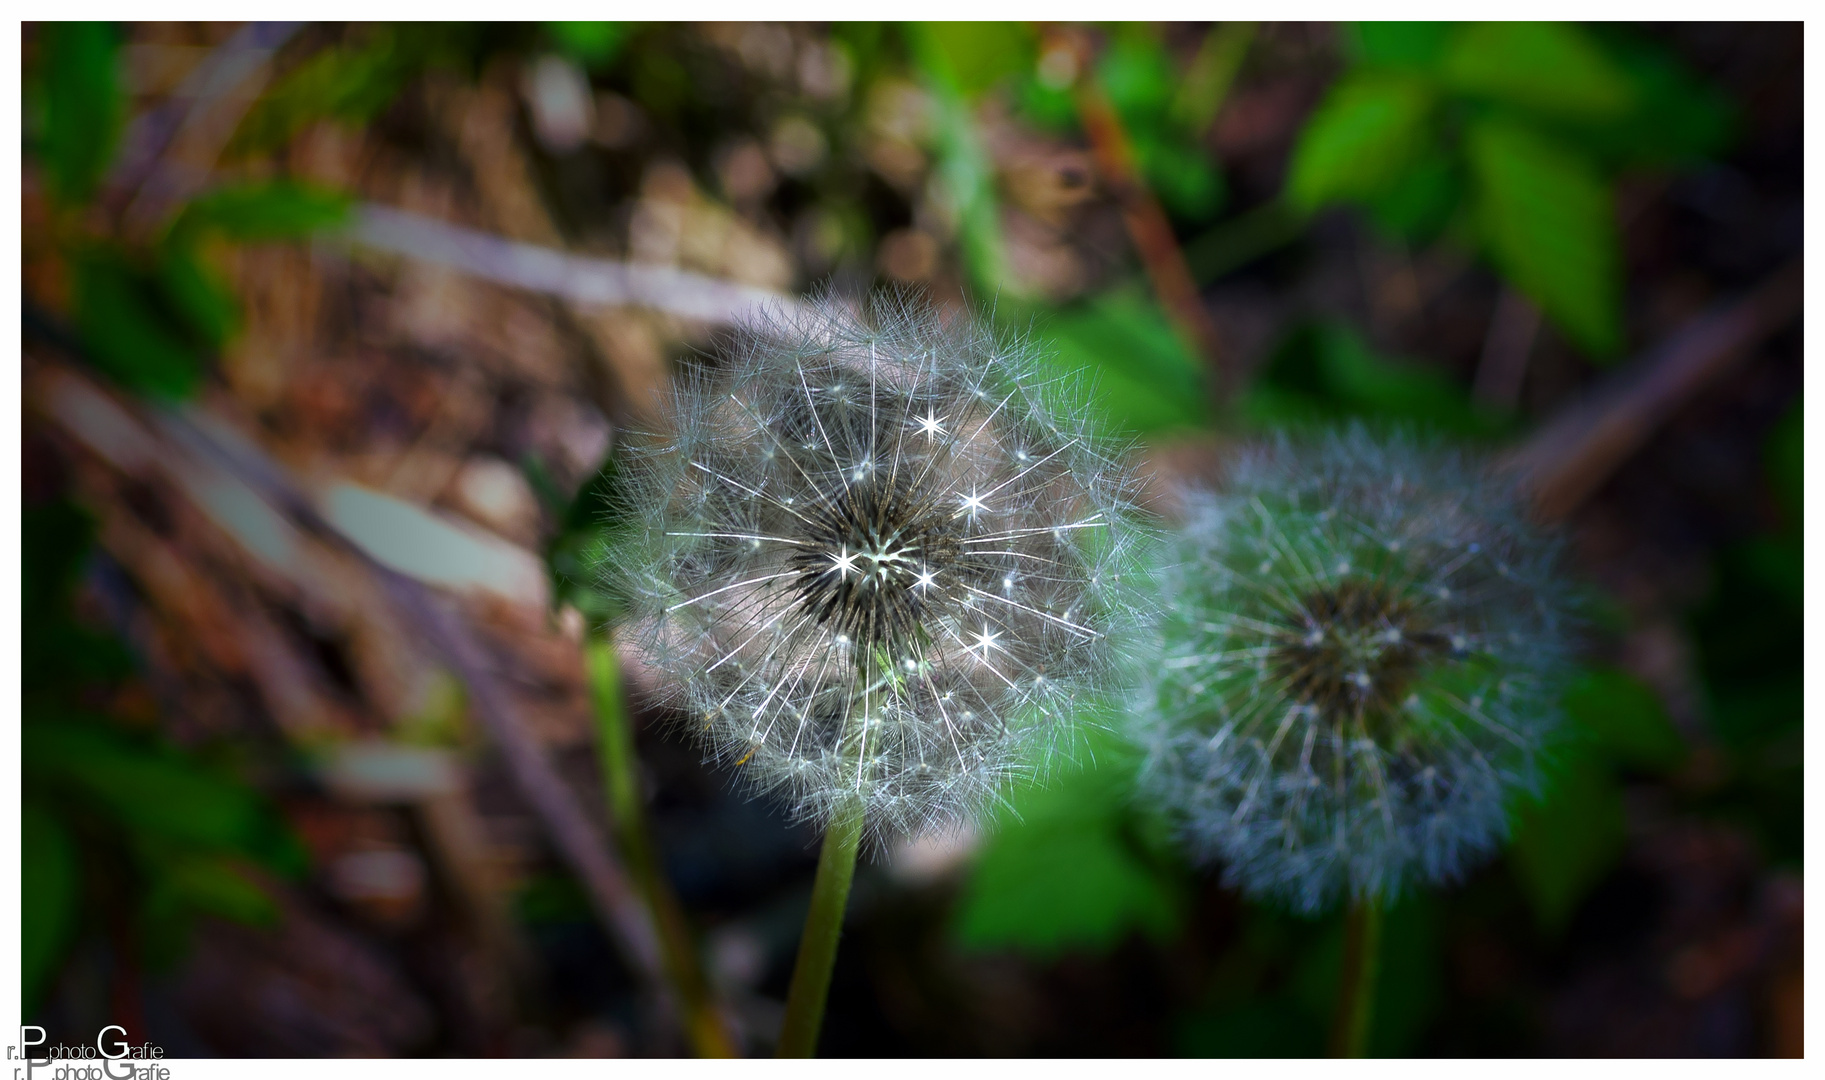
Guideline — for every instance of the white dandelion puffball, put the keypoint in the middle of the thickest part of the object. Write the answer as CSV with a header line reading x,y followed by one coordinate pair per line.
x,y
877,559
1362,657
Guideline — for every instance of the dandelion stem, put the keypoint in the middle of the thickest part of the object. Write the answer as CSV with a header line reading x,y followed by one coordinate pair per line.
x,y
823,924
1356,989
615,740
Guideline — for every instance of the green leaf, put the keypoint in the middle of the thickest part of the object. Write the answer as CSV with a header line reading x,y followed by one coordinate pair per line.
x,y
147,791
1420,204
275,210
194,294
50,891
1567,842
348,82
1252,1029
55,538
974,56
1546,219
1325,372
1045,107
1784,457
1412,46
1677,118
1364,135
1625,720
965,172
1060,872
213,886
82,104
1142,377
1242,239
1550,68
1182,175
596,44
60,656
1138,76
128,334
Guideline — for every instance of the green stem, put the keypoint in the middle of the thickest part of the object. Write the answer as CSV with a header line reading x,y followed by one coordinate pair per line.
x,y
823,924
1356,990
620,778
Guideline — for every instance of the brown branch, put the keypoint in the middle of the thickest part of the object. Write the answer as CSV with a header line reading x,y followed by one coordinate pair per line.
x,y
1148,227
171,150
1571,455
149,436
576,278
576,836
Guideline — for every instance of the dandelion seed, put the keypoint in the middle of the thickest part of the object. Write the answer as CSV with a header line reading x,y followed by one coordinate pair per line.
x,y
935,531
1351,717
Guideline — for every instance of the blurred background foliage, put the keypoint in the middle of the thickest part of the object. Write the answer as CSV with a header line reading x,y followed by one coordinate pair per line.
x,y
1455,226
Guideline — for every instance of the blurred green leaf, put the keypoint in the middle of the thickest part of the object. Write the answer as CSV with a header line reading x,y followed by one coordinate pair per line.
x,y
1367,131
964,169
1141,376
1242,239
1182,175
588,527
1546,219
1059,872
1046,107
1625,720
1750,634
1413,46
1200,94
82,104
1324,372
213,886
1419,204
547,898
348,82
49,898
152,792
1274,1028
197,296
128,334
55,539
1677,118
1140,79
974,56
1778,563
1566,842
1784,456
596,44
1552,68
1138,76
59,654
273,210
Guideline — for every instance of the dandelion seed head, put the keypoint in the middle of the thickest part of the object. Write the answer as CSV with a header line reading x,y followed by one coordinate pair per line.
x,y
866,537
1357,673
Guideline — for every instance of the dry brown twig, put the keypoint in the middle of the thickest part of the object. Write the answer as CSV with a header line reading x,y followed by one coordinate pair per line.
x,y
1571,455
576,278
170,436
1148,227
171,150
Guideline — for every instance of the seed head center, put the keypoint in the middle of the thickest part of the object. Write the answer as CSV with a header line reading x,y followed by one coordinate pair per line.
x,y
1352,651
874,557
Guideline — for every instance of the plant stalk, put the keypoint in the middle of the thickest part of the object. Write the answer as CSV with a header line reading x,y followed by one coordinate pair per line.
x,y
823,925
1356,989
1149,229
615,740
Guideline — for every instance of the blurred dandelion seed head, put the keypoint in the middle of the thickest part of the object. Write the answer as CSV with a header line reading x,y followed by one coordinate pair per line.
x,y
881,559
1363,646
